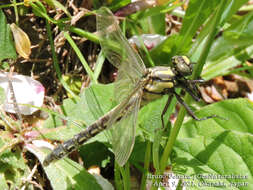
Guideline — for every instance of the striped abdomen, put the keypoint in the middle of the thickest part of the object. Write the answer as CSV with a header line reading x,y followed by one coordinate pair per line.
x,y
72,144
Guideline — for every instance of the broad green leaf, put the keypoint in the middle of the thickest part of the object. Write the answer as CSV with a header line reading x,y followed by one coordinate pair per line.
x,y
63,133
13,168
152,20
7,48
83,111
218,147
97,97
149,119
163,52
236,111
95,154
211,165
67,174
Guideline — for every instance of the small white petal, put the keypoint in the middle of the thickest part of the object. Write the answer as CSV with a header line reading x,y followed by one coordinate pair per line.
x,y
26,90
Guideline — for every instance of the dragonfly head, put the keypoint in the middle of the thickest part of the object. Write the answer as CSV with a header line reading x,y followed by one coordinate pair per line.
x,y
182,65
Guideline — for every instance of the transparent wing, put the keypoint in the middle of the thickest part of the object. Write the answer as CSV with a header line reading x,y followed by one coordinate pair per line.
x,y
119,52
121,124
123,130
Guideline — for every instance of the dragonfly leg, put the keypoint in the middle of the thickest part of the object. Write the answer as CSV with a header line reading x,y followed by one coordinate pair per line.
x,y
196,81
191,88
165,109
194,95
190,112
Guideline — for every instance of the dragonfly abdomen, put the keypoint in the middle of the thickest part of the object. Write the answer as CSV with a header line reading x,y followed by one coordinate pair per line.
x,y
72,144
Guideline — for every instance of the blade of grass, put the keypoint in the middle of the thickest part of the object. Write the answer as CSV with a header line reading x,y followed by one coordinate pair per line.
x,y
196,73
99,64
125,172
117,178
16,11
80,56
155,149
90,36
146,166
39,9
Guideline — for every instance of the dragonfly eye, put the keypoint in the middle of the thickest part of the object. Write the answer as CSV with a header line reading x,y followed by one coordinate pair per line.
x,y
182,65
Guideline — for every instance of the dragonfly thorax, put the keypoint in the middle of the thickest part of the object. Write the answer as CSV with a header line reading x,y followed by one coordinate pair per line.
x,y
159,80
162,80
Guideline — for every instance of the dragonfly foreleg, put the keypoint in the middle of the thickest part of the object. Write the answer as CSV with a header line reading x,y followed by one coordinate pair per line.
x,y
190,112
191,88
197,81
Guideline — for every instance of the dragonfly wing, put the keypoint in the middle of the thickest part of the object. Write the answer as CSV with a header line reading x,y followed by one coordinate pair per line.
x,y
119,52
123,131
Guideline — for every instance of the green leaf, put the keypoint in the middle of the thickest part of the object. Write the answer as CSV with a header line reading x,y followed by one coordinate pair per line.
x,y
63,133
138,154
158,24
196,14
13,168
231,49
14,159
96,97
218,147
116,4
149,118
162,53
152,20
207,162
83,111
7,48
232,8
67,174
219,67
95,154
240,33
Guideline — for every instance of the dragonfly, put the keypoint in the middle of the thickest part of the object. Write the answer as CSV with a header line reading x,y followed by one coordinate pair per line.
x,y
135,86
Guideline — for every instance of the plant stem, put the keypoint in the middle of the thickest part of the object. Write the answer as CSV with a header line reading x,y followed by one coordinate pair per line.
x,y
146,166
80,56
196,73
